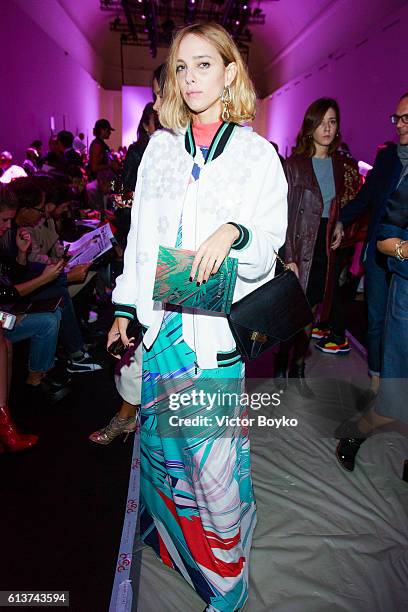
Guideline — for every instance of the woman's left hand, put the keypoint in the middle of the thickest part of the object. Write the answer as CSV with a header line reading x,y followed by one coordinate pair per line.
x,y
212,252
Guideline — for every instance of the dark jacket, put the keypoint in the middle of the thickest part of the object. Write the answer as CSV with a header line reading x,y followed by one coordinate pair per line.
x,y
394,224
381,182
305,207
131,165
11,273
71,158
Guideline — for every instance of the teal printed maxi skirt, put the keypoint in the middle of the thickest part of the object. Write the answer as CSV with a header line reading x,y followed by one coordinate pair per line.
x,y
198,511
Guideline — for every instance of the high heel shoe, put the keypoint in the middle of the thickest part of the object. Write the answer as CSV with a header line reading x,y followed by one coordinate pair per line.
x,y
115,427
11,440
297,373
347,450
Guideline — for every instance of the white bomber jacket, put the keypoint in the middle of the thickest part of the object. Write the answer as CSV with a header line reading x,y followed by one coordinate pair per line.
x,y
245,184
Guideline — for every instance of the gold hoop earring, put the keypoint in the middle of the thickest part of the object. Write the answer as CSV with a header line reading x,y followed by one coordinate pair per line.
x,y
226,99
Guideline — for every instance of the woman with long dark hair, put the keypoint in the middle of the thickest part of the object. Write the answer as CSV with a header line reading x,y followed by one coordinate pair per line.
x,y
148,124
320,182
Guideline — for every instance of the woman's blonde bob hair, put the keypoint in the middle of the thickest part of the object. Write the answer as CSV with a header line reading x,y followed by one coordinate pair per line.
x,y
174,112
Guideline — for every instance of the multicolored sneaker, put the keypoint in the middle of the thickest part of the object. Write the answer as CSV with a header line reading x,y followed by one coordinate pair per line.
x,y
321,331
334,345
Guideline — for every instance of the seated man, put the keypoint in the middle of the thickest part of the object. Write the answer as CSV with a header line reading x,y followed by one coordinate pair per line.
x,y
30,164
99,190
8,170
79,144
69,156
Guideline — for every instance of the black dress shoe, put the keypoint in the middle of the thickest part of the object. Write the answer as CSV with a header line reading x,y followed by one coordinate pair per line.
x,y
53,395
57,378
48,393
297,374
347,450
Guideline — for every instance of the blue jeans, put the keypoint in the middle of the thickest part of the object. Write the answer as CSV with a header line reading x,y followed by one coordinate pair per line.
x,y
42,329
392,395
71,335
376,282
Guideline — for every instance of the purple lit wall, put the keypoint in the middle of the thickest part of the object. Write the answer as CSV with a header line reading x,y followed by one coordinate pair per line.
x,y
111,108
367,80
134,99
39,82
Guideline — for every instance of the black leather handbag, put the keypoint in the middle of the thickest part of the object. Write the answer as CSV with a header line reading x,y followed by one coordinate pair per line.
x,y
273,313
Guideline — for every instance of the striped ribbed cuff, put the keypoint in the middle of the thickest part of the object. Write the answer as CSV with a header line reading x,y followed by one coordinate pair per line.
x,y
123,310
244,238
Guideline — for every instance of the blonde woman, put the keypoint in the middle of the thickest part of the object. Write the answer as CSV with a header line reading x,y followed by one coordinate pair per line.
x,y
208,184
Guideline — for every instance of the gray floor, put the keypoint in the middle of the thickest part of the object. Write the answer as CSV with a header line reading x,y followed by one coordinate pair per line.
x,y
326,540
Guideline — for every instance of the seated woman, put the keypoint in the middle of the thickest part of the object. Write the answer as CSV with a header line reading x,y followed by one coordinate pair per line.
x,y
30,211
41,328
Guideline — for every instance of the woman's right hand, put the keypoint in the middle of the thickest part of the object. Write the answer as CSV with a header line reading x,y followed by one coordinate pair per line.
x,y
52,272
293,266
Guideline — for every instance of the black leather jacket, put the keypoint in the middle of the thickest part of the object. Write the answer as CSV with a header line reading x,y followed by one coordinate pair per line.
x,y
305,206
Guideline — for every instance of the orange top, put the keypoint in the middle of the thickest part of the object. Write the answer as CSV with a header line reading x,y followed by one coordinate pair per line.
x,y
204,133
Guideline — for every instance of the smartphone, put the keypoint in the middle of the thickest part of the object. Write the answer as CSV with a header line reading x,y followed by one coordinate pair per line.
x,y
117,347
25,306
65,256
7,319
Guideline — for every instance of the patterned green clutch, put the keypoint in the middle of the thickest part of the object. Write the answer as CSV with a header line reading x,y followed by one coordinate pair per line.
x,y
172,283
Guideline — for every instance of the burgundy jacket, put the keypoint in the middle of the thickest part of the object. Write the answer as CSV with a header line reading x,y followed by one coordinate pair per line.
x,y
305,207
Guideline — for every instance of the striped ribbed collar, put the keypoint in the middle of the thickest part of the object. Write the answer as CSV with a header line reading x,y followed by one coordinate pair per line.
x,y
218,144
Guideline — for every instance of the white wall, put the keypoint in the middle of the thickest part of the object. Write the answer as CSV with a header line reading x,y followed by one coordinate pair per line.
x,y
39,81
367,78
134,99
